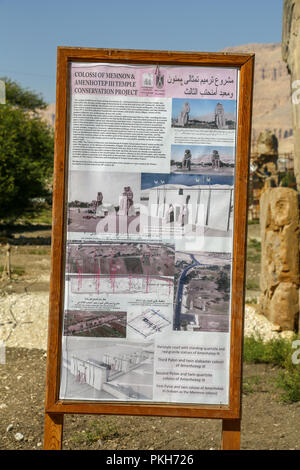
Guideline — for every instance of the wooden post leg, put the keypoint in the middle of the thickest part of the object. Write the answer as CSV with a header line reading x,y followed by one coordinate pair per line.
x,y
53,431
231,434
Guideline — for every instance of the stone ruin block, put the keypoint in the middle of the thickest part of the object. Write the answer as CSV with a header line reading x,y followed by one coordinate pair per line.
x,y
279,219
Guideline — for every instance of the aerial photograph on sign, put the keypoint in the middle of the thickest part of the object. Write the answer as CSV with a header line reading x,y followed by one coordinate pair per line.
x,y
115,268
95,323
204,114
202,291
201,159
121,259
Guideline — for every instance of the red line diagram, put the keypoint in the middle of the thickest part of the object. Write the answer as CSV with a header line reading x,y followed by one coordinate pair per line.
x,y
97,280
113,270
148,270
129,282
79,279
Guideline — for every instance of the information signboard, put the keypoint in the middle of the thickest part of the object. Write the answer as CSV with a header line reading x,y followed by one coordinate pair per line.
x,y
149,232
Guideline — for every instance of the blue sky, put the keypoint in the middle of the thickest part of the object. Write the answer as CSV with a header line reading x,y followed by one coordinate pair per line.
x,y
31,30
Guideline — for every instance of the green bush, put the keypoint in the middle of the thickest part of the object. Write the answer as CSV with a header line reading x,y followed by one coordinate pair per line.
x,y
253,350
252,285
254,250
26,152
250,384
278,352
256,244
289,381
288,180
253,257
275,351
17,270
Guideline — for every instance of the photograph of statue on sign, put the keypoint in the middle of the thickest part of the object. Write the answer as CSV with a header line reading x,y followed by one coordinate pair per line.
x,y
204,114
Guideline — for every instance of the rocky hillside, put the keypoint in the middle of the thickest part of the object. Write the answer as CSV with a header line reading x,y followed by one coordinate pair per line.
x,y
272,98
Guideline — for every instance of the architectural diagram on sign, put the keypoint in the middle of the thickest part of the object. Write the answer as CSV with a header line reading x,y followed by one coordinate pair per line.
x,y
149,322
187,204
108,372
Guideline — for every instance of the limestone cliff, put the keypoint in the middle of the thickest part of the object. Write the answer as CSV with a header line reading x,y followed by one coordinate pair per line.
x,y
272,109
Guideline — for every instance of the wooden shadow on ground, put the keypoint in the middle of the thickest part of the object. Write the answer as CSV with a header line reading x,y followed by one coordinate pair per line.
x,y
25,234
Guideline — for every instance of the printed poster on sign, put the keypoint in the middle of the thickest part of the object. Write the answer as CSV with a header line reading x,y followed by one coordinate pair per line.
x,y
149,233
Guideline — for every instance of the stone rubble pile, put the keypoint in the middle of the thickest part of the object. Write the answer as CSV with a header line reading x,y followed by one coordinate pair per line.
x,y
257,325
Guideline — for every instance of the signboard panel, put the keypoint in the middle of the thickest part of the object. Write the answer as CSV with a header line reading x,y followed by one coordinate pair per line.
x,y
147,300
148,254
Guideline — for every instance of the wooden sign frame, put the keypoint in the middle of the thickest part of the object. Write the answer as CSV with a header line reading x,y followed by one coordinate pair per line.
x,y
56,408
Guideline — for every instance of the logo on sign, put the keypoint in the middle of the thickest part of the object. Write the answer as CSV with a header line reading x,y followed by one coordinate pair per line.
x,y
148,80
